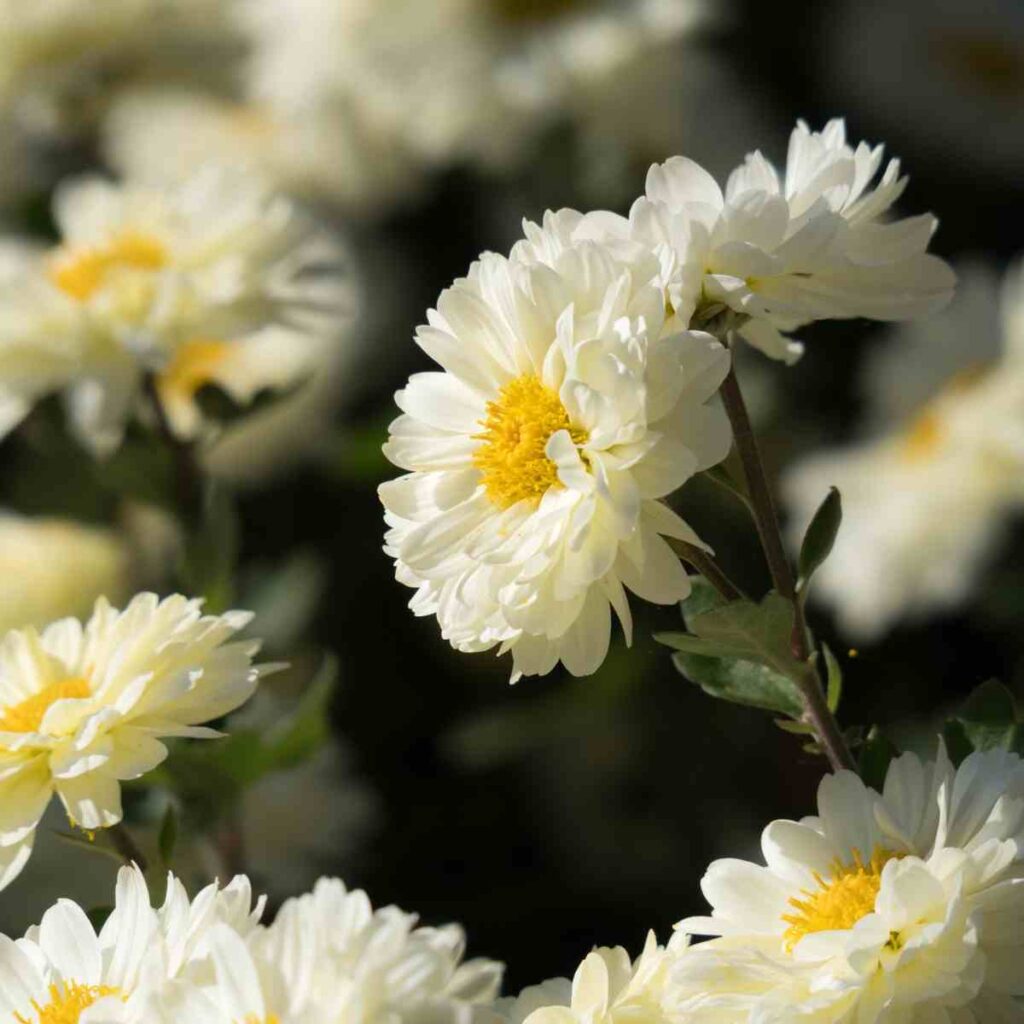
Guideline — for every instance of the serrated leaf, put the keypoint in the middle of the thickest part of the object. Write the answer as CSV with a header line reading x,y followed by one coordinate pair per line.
x,y
168,837
702,598
989,717
876,753
687,643
820,536
834,679
741,682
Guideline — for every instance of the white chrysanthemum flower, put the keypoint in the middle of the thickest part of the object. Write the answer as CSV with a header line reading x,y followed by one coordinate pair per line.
x,y
51,568
938,69
942,470
813,243
83,707
607,988
214,281
538,459
62,972
359,106
901,906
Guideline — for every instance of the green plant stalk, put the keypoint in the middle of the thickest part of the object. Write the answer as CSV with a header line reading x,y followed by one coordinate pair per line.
x,y
126,846
817,713
708,568
188,476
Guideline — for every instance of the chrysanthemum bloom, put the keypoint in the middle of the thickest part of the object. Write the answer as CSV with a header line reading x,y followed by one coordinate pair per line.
x,y
608,988
50,568
84,707
812,243
62,972
901,906
214,281
942,467
538,458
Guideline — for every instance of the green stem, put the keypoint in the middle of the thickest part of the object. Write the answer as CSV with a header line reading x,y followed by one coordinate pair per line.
x,y
126,846
708,568
816,709
188,476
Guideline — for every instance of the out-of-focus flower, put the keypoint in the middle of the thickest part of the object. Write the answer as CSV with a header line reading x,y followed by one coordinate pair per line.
x,y
356,103
900,906
938,69
539,457
52,568
925,498
785,250
608,988
213,281
82,707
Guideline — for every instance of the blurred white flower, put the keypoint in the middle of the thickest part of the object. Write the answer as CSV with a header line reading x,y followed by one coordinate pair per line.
x,y
905,906
539,457
811,244
926,496
608,988
358,104
82,707
52,568
938,69
214,281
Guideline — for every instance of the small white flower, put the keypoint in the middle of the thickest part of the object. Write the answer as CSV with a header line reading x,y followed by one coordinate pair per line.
x,y
214,281
607,988
82,708
538,459
812,243
51,568
941,470
901,906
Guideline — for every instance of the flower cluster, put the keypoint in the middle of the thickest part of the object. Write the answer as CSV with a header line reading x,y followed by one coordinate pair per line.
x,y
328,956
84,707
579,385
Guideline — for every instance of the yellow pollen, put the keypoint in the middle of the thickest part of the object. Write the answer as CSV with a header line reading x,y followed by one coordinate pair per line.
x,y
67,1002
191,368
512,459
28,715
840,901
79,272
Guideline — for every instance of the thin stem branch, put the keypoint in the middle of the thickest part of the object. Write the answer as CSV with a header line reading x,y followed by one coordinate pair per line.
x,y
708,568
188,476
126,846
816,710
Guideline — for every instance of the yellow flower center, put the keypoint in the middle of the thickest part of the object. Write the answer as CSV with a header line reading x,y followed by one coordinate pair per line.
x,y
840,901
28,715
79,272
512,460
923,438
191,368
67,1002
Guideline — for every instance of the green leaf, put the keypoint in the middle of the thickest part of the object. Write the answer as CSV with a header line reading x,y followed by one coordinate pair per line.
x,y
168,837
820,536
703,598
741,682
875,755
989,718
306,730
834,673
690,644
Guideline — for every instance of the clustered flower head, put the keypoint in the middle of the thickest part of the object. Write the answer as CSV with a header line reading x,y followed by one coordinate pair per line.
x,y
84,707
327,956
579,389
212,282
